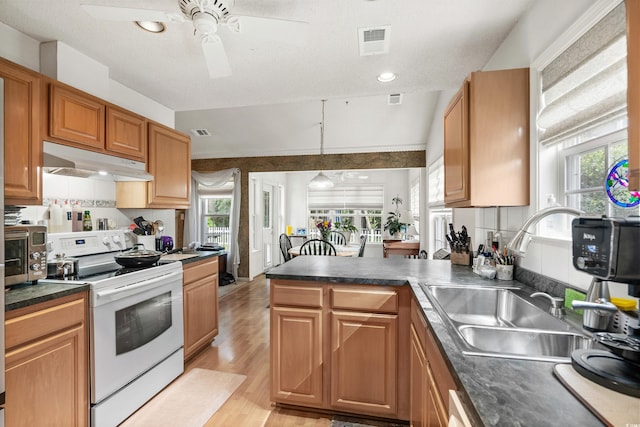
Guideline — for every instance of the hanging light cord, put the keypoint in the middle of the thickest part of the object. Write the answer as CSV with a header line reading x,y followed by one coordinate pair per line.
x,y
322,130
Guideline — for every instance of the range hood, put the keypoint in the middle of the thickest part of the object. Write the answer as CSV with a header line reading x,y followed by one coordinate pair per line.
x,y
63,160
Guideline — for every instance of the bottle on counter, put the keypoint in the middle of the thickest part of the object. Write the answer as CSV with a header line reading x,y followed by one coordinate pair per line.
x,y
56,218
77,214
87,224
67,217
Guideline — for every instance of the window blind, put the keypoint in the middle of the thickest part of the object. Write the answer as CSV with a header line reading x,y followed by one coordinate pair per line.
x,y
345,197
586,85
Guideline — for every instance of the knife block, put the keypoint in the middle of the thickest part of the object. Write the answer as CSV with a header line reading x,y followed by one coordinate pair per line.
x,y
462,258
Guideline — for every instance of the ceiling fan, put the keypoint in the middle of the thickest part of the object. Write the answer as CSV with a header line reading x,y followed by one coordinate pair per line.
x,y
207,16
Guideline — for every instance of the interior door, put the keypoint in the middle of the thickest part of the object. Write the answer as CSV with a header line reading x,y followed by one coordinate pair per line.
x,y
267,225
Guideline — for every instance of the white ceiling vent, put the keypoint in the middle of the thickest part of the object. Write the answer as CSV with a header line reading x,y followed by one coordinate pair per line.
x,y
200,132
374,40
395,99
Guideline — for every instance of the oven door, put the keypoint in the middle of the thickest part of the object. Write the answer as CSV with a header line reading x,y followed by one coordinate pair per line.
x,y
134,328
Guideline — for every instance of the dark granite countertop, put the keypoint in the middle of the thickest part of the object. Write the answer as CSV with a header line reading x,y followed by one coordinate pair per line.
x,y
28,294
498,392
201,255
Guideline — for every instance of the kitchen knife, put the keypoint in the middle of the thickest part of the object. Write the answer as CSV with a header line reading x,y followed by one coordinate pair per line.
x,y
452,233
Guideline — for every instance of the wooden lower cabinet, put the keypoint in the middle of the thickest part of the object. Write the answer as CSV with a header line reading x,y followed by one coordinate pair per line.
x,y
296,356
338,347
364,362
47,364
430,376
419,384
200,299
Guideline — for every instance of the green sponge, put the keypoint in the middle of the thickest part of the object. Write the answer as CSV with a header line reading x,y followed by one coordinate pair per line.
x,y
571,295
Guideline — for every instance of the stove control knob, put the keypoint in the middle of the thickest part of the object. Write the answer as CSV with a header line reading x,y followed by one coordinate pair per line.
x,y
35,255
106,241
116,239
35,267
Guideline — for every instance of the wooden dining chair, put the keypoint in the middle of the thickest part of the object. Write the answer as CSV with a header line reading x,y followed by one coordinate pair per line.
x,y
285,245
317,247
337,238
363,242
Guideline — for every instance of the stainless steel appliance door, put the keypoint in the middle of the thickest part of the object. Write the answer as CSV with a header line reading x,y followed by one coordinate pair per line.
x,y
136,329
2,389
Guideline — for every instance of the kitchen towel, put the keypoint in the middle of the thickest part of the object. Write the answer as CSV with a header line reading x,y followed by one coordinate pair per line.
x,y
189,401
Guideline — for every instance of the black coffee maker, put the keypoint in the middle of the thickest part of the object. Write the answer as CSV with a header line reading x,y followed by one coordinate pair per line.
x,y
609,250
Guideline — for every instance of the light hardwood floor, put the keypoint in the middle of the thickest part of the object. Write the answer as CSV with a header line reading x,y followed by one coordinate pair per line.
x,y
243,347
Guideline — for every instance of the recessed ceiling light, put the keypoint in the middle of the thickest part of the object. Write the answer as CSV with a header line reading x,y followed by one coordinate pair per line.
x,y
151,26
386,77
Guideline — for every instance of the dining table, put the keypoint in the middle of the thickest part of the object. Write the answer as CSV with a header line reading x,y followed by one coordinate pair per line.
x,y
341,250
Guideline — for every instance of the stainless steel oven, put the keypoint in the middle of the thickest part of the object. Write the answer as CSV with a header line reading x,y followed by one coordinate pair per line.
x,y
136,324
25,253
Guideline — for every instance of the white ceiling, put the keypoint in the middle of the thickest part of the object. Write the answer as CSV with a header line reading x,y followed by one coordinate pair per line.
x,y
271,103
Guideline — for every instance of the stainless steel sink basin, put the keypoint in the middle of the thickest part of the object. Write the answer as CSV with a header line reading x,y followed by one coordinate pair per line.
x,y
522,343
500,322
491,306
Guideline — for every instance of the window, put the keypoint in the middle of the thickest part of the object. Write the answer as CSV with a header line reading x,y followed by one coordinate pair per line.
x,y
361,204
582,122
215,216
439,216
415,204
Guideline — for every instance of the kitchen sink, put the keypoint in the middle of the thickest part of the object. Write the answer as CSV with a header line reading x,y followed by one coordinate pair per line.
x,y
522,343
491,306
499,321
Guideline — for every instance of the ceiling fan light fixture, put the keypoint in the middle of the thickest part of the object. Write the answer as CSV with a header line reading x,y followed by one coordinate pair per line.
x,y
151,26
386,77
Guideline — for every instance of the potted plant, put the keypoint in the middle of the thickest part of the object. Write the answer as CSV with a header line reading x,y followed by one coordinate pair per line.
x,y
346,227
393,224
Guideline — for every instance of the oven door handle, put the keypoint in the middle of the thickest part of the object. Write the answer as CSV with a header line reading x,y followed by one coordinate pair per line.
x,y
144,284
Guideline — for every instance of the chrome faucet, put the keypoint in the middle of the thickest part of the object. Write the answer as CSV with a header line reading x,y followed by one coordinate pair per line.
x,y
557,304
598,306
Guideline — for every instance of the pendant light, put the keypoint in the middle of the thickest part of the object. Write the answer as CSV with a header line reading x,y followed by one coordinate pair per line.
x,y
321,180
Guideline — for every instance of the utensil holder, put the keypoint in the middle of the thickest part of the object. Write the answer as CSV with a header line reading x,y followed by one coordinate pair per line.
x,y
504,272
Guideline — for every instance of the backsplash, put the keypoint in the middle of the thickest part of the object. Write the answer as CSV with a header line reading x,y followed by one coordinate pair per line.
x,y
96,195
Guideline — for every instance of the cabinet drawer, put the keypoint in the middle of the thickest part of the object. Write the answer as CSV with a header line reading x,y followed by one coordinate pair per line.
x,y
419,323
297,296
371,300
198,270
42,322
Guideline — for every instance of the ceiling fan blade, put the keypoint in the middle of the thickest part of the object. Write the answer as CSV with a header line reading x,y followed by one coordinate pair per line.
x,y
215,57
111,13
280,30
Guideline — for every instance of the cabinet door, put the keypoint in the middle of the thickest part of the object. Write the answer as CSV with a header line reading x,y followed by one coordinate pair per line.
x,y
76,117
437,415
456,148
126,134
633,92
296,356
47,366
364,362
23,145
418,382
200,300
170,165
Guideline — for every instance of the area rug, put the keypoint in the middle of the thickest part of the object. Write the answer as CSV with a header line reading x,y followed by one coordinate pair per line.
x,y
189,401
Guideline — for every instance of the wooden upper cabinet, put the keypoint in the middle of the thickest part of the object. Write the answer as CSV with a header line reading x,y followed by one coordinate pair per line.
x,y
76,117
170,165
633,91
126,133
486,140
85,121
456,148
22,142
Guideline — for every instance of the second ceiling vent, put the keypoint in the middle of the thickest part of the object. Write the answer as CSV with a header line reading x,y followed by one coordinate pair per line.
x,y
374,40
